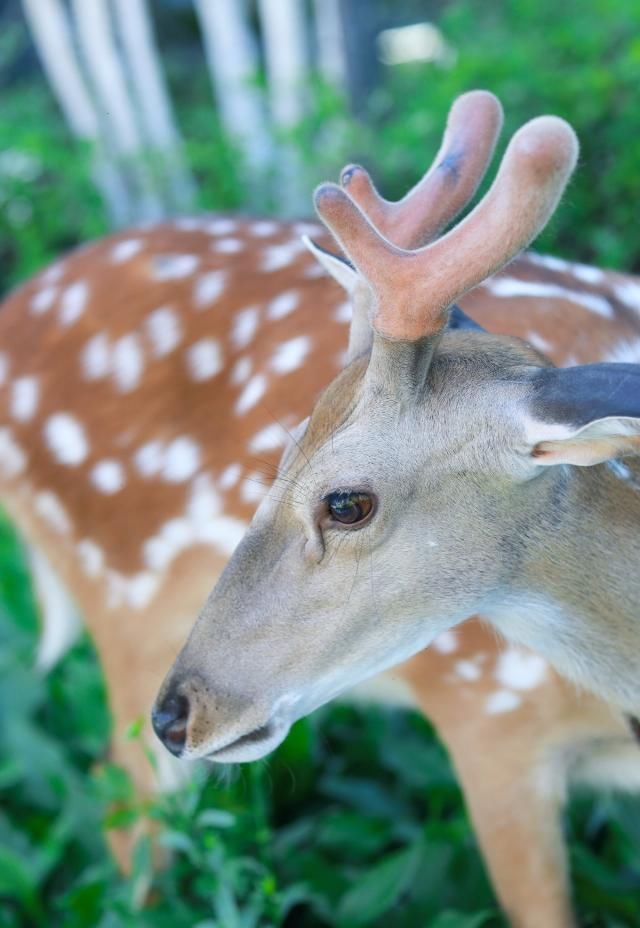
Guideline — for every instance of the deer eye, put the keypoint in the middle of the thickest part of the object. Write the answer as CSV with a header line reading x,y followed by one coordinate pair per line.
x,y
349,507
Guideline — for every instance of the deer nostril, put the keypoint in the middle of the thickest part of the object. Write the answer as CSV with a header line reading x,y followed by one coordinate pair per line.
x,y
169,722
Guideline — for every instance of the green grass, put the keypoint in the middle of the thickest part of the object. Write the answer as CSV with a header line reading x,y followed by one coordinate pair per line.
x,y
356,820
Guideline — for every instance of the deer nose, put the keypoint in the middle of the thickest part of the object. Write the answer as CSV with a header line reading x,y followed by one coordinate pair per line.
x,y
169,721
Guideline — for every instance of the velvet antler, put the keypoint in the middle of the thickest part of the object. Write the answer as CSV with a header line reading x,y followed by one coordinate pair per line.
x,y
412,290
473,125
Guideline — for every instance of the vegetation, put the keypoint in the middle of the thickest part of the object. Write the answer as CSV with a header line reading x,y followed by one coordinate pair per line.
x,y
357,819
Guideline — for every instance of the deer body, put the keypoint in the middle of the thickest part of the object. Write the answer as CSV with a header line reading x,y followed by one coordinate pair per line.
x,y
144,379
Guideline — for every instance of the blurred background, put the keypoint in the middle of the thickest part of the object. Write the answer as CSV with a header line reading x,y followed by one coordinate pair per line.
x,y
117,112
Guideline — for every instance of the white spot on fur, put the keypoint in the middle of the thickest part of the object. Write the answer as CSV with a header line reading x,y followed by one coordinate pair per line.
x,y
626,351
149,458
189,224
502,701
290,355
344,312
520,670
253,489
60,621
252,394
91,558
513,287
73,302
25,392
241,371
66,439
221,226
467,670
268,439
43,300
53,274
208,288
538,342
181,460
629,294
108,476
136,591
587,274
127,361
263,228
173,267
283,304
47,505
96,357
275,257
13,460
245,325
446,643
204,359
164,331
126,249
228,246
229,477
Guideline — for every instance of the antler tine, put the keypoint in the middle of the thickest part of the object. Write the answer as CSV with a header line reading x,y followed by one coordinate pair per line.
x,y
413,289
473,125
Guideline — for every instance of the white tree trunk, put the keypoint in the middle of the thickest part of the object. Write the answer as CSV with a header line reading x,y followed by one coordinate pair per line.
x,y
332,63
154,107
233,66
51,35
286,56
104,66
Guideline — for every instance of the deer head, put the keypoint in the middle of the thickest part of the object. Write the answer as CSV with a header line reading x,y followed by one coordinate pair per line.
x,y
417,493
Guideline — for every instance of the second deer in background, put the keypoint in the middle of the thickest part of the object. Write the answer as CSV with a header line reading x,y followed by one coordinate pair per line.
x,y
148,380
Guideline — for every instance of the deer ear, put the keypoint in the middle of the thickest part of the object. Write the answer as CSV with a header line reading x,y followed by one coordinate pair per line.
x,y
339,268
584,415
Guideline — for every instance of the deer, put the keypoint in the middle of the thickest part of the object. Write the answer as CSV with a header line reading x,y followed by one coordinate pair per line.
x,y
193,349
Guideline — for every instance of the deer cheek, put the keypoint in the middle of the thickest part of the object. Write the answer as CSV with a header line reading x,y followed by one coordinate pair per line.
x,y
314,549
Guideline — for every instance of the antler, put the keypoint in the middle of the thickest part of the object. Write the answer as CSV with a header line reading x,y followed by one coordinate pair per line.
x,y
412,290
473,125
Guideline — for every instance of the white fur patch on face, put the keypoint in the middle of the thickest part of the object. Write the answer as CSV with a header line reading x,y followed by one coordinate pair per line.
x,y
73,302
520,670
268,439
127,362
47,505
208,288
66,439
25,393
241,371
108,477
513,287
229,477
43,300
173,267
91,558
245,325
164,330
204,359
502,701
283,304
13,460
446,643
125,250
252,394
290,355
95,357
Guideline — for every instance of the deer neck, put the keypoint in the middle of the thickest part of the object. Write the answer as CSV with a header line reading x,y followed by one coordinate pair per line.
x,y
575,594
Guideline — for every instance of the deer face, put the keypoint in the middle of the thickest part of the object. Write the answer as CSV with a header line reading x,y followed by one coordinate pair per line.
x,y
391,520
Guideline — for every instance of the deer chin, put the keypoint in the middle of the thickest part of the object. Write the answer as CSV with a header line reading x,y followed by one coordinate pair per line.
x,y
252,746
